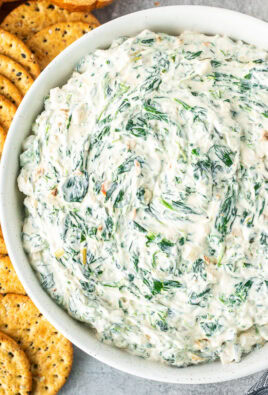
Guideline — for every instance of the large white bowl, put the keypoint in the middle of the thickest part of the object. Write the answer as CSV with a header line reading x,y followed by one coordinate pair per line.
x,y
171,20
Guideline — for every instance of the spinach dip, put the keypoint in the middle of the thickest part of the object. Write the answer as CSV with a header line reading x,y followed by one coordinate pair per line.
x,y
146,196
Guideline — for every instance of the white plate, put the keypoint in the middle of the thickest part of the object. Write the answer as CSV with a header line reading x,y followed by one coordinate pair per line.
x,y
171,20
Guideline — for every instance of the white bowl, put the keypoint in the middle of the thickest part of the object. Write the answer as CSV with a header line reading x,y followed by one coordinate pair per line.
x,y
171,20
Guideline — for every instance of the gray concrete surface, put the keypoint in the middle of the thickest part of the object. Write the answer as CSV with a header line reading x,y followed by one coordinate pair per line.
x,y
91,377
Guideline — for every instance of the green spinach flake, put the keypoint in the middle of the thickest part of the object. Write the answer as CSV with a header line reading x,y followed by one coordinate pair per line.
x,y
75,187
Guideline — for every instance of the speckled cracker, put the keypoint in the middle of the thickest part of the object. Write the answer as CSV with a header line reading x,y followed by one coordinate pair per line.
x,y
33,16
8,89
9,281
82,5
15,373
15,48
7,112
50,354
3,249
3,135
49,42
15,73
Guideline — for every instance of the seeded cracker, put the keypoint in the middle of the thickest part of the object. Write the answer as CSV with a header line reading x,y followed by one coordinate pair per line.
x,y
3,135
50,354
8,89
13,47
16,73
31,17
9,281
3,249
7,112
15,373
82,5
49,42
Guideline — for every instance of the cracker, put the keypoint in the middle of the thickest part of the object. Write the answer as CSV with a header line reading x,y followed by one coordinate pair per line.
x,y
15,373
3,249
15,73
3,135
33,16
8,89
49,42
82,5
9,281
50,354
15,48
7,112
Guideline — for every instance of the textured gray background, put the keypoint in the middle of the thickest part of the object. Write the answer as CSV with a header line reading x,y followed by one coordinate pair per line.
x,y
91,377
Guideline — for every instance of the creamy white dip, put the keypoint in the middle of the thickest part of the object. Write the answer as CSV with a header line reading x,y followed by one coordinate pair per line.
x,y
146,187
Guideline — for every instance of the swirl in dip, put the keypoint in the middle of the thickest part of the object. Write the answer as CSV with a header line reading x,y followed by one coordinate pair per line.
x,y
146,187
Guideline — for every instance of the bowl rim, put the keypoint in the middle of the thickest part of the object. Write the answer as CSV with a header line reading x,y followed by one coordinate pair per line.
x,y
76,332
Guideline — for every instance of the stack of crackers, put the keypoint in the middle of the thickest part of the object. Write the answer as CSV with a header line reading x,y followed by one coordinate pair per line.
x,y
31,35
34,357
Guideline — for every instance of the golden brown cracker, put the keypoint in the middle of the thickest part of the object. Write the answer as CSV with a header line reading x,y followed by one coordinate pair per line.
x,y
8,89
12,46
15,373
3,135
50,354
49,42
31,17
3,249
15,73
82,5
7,112
9,281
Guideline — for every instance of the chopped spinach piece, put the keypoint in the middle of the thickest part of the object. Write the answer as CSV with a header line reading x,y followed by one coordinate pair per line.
x,y
139,227
192,55
163,326
137,126
135,259
87,287
264,239
224,154
184,208
184,105
199,267
140,193
199,299
128,164
109,227
210,327
75,187
153,113
165,245
111,191
119,198
215,63
47,281
166,204
69,122
227,212
148,41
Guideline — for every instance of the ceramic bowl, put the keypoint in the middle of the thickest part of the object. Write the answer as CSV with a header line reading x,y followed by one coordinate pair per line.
x,y
172,20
